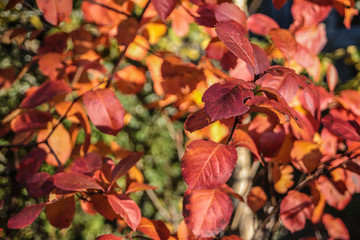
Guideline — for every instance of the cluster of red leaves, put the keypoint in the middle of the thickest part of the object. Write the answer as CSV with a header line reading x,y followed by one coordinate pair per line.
x,y
292,124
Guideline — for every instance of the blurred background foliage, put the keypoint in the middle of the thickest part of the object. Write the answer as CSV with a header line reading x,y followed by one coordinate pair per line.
x,y
149,130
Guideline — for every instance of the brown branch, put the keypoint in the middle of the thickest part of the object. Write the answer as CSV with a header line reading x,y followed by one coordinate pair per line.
x,y
54,154
236,121
163,212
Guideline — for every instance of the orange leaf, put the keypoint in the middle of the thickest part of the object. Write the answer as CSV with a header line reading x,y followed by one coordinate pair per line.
x,y
55,11
256,198
335,227
206,212
130,80
57,216
156,229
305,156
283,178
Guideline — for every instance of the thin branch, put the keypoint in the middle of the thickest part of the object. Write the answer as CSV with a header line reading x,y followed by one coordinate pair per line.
x,y
109,8
54,154
236,121
163,212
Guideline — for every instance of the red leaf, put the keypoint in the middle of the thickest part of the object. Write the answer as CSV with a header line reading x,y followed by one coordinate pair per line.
x,y
88,164
262,62
101,204
55,11
30,164
31,120
256,198
207,165
75,182
206,15
136,186
105,110
25,217
230,12
47,91
243,139
127,209
39,185
109,237
284,41
310,13
164,7
279,3
156,229
335,227
197,121
206,212
61,212
313,38
124,166
227,100
335,198
234,38
261,24
348,130
295,208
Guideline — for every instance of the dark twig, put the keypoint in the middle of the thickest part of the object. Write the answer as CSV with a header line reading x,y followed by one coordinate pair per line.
x,y
236,121
54,154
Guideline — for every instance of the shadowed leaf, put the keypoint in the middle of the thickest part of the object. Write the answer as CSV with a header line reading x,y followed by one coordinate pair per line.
x,y
25,217
75,182
156,229
61,212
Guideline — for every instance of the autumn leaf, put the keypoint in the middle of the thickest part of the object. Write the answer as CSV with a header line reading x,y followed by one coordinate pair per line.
x,y
335,227
261,24
226,12
105,110
197,121
206,212
207,165
87,164
55,11
30,164
164,7
243,139
126,208
57,216
227,100
348,130
256,198
103,207
45,92
72,181
30,120
124,166
295,209
234,38
156,229
26,216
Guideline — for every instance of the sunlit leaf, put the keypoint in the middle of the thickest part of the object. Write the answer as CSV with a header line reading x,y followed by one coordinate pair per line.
x,y
156,229
234,38
105,110
55,11
335,227
206,212
207,165
261,24
126,208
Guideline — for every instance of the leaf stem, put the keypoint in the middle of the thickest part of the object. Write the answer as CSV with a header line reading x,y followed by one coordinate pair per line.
x,y
236,121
